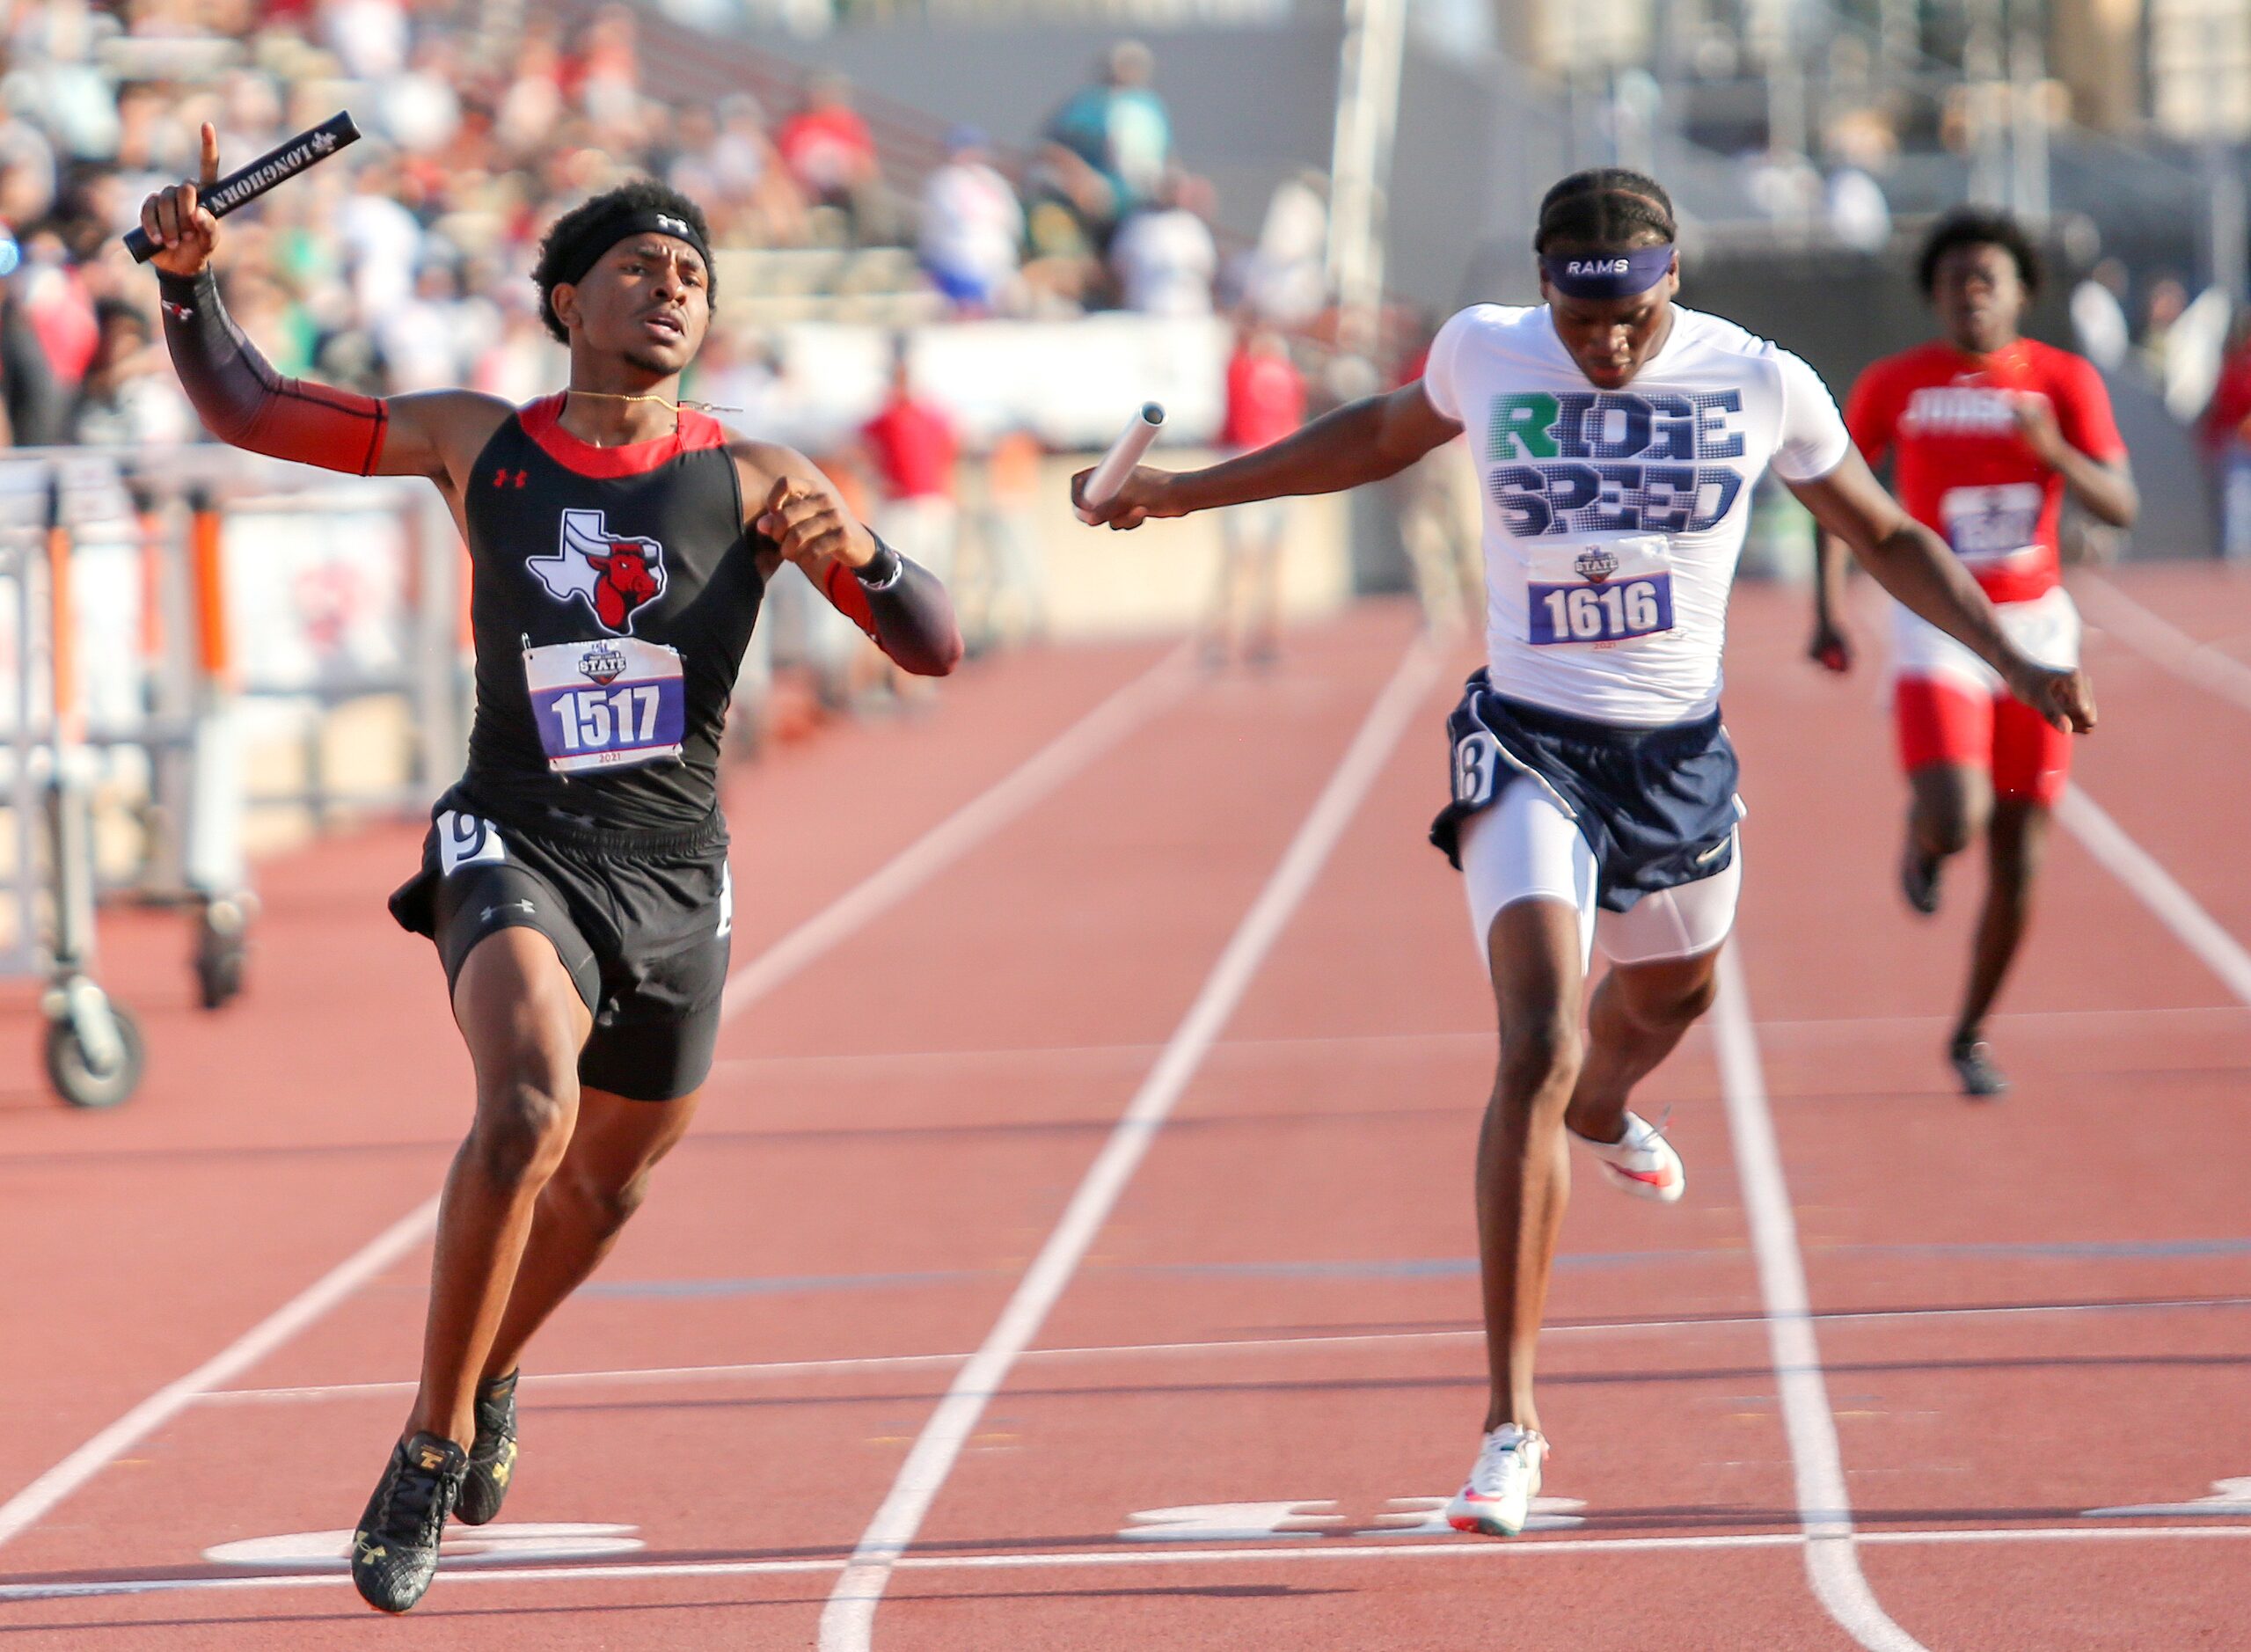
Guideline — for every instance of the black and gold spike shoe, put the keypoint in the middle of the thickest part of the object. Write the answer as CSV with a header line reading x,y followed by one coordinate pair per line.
x,y
395,1551
492,1459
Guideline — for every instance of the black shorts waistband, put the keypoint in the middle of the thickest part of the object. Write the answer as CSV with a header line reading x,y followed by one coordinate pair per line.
x,y
570,833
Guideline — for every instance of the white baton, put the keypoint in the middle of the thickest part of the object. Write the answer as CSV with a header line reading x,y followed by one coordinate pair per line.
x,y
1124,454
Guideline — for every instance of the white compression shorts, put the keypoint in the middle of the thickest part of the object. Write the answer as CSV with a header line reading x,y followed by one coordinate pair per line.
x,y
1526,847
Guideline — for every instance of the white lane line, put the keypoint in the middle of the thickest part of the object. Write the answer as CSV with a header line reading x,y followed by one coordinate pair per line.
x,y
1068,1560
1825,1507
861,1063
2155,886
660,1375
29,1505
848,1620
2209,668
943,844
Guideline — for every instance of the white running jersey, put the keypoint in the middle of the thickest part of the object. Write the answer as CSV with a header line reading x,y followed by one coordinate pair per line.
x,y
1613,518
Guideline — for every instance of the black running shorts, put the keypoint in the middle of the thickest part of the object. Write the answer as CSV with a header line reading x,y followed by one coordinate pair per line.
x,y
641,919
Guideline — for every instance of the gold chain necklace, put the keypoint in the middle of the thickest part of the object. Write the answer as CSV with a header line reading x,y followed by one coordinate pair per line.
x,y
616,395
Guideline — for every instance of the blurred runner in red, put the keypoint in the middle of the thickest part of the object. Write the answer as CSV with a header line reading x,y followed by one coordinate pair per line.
x,y
1988,431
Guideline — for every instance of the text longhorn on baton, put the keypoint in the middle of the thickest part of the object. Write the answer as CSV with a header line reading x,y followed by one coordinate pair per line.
x,y
245,184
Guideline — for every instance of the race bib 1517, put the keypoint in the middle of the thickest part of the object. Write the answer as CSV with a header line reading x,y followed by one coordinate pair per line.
x,y
612,704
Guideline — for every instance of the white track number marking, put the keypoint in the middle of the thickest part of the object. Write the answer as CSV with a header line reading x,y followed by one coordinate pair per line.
x,y
2229,1497
1229,1522
1265,1522
1426,1517
331,1551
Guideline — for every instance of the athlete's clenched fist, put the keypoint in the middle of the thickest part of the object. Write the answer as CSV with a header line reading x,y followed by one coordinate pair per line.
x,y
811,527
182,228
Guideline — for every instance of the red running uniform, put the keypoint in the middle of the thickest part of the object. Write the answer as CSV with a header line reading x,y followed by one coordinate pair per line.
x,y
1949,421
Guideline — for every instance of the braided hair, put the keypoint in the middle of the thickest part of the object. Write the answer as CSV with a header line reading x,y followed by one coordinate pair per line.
x,y
1605,209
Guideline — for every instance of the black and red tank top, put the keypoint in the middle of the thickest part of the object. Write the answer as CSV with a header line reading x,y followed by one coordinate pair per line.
x,y
613,592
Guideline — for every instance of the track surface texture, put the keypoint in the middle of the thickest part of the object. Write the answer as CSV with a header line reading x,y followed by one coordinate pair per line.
x,y
1075,1248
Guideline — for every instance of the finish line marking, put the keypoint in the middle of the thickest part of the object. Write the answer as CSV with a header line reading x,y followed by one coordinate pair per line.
x,y
1281,1552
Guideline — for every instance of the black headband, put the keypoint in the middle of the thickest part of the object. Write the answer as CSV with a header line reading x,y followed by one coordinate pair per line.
x,y
611,228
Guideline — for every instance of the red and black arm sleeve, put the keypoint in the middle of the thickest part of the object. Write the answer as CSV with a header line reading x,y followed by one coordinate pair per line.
x,y
243,401
903,607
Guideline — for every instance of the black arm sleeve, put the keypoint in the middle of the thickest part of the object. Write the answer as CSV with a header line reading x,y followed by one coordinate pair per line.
x,y
901,605
242,400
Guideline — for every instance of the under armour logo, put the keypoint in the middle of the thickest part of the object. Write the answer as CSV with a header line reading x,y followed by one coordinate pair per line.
x,y
672,226
491,912
500,477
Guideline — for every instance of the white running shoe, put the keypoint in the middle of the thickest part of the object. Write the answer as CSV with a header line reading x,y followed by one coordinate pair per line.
x,y
1641,1161
1501,1484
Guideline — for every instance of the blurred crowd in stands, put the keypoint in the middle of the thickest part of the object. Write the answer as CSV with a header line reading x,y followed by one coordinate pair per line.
x,y
401,265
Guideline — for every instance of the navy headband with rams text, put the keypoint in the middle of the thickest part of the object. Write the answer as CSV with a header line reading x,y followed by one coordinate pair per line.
x,y
611,228
1607,275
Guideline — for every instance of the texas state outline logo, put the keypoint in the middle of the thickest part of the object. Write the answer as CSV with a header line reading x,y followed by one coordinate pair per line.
x,y
616,575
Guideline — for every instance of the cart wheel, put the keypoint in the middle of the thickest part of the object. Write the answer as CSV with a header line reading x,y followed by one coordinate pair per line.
x,y
77,1079
218,967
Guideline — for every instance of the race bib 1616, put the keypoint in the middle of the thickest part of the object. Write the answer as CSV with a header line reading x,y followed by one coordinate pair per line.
x,y
1604,611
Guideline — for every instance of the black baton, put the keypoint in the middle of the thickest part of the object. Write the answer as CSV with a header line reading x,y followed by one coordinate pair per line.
x,y
237,188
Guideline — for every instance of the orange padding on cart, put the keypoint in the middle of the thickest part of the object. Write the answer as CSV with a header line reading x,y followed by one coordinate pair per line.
x,y
64,640
213,654
152,588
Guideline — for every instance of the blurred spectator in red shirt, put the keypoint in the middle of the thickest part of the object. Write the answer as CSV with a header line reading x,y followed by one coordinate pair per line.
x,y
909,449
2226,428
912,447
830,152
56,305
1266,401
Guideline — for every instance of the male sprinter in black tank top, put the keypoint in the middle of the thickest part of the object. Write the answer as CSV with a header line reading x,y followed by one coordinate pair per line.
x,y
575,879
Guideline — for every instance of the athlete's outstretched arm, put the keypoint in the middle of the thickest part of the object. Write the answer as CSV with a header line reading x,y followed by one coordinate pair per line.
x,y
242,400
900,605
1364,440
1916,566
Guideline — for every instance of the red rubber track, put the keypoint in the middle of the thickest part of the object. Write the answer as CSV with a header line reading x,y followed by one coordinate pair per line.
x,y
2026,1310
